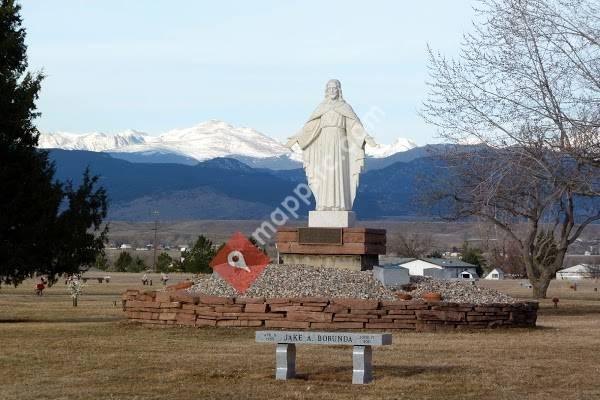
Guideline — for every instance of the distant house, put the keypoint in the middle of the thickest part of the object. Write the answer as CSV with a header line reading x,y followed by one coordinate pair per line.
x,y
125,246
495,274
579,271
441,268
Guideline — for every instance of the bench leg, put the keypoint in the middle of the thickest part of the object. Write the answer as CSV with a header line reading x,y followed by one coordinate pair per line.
x,y
362,367
285,355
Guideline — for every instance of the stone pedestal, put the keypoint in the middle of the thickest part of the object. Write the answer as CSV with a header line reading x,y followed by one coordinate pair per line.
x,y
331,219
350,248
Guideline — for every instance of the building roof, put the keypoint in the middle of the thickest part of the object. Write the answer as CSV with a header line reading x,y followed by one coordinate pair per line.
x,y
579,268
390,260
449,263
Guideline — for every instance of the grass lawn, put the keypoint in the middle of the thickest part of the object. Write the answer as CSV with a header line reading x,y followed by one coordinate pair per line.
x,y
51,350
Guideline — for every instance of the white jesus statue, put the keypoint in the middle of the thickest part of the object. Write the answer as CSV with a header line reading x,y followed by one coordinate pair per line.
x,y
333,150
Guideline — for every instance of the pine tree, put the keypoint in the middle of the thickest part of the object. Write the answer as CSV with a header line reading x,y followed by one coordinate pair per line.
x,y
198,259
38,233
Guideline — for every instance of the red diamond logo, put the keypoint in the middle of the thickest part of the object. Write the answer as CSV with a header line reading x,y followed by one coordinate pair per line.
x,y
239,262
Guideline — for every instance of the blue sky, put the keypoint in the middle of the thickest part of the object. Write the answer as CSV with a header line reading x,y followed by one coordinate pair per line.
x,y
157,65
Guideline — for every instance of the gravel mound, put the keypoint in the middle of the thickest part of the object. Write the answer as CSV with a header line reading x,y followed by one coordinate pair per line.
x,y
301,281
458,291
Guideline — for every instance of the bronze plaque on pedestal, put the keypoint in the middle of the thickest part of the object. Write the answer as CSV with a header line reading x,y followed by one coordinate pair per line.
x,y
320,236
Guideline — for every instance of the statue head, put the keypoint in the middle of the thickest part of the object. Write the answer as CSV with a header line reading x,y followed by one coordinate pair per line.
x,y
333,90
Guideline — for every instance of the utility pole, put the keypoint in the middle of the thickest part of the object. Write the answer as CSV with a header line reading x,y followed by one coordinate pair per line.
x,y
156,214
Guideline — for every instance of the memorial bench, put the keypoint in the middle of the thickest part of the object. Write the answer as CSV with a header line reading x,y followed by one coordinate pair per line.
x,y
285,352
100,279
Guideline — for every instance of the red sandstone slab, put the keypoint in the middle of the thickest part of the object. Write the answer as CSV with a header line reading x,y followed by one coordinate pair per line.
x,y
346,248
239,323
162,297
357,304
185,297
288,308
186,317
399,316
172,304
204,308
229,309
309,316
287,324
248,315
401,312
291,236
306,304
393,304
278,300
167,316
141,304
336,308
287,229
349,319
249,300
352,237
215,300
208,314
368,312
336,325
255,307
186,311
205,322
231,314
362,316
417,306
312,299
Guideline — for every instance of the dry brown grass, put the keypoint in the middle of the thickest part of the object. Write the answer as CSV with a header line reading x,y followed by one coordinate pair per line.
x,y
51,350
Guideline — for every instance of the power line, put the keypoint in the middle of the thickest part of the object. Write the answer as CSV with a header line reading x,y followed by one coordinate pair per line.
x,y
155,213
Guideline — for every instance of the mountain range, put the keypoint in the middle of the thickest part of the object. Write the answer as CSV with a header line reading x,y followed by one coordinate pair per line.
x,y
205,141
226,188
217,171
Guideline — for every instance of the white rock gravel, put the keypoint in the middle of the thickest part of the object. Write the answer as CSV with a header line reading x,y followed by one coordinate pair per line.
x,y
458,291
302,280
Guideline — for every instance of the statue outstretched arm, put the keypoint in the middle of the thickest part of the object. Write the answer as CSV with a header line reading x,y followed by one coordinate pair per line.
x,y
370,141
291,141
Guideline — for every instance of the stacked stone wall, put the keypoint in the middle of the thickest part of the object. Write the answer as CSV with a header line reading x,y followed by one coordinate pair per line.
x,y
164,308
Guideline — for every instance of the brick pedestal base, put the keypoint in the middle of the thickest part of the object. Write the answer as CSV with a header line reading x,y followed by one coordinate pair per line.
x,y
356,249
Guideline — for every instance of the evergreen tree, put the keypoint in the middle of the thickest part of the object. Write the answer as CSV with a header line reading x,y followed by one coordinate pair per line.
x,y
137,265
473,255
101,261
197,260
46,227
123,262
163,262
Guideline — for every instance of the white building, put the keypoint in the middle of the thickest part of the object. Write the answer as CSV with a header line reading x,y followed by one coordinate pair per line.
x,y
495,274
441,268
580,271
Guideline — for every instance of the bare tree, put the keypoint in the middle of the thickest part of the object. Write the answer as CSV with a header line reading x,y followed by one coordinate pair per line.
x,y
413,246
526,92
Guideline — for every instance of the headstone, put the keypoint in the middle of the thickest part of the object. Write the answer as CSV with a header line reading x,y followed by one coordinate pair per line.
x,y
391,276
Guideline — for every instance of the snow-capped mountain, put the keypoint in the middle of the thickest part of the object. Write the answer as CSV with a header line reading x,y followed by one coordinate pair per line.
x,y
386,150
205,141
91,141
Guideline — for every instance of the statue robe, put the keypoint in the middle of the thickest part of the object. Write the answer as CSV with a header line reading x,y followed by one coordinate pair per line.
x,y
333,145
